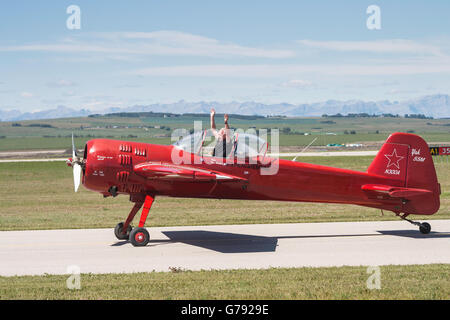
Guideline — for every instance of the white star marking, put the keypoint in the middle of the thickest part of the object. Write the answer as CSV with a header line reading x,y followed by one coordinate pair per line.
x,y
393,159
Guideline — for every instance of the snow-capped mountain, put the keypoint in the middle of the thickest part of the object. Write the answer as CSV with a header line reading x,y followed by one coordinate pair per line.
x,y
436,106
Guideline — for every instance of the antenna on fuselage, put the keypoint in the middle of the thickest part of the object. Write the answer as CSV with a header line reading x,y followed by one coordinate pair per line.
x,y
305,148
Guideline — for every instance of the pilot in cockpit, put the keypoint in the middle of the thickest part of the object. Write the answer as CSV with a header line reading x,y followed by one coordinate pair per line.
x,y
224,139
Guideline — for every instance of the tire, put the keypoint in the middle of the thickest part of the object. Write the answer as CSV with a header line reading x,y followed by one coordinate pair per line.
x,y
118,231
425,228
139,237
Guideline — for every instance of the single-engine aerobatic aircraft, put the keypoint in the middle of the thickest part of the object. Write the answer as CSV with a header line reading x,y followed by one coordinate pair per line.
x,y
401,178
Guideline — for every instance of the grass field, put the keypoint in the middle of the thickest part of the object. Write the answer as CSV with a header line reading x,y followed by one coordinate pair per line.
x,y
397,282
25,135
39,195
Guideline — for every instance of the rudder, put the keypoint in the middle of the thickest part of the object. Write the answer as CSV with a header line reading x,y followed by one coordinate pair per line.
x,y
405,160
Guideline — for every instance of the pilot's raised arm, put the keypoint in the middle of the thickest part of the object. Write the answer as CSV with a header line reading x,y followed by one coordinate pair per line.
x,y
223,137
213,124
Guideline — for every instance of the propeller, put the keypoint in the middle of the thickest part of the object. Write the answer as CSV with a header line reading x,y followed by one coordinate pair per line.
x,y
76,164
76,176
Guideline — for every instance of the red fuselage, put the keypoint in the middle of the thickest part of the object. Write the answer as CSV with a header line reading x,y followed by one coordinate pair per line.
x,y
112,163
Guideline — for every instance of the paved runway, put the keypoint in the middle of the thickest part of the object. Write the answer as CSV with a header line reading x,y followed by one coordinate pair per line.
x,y
225,247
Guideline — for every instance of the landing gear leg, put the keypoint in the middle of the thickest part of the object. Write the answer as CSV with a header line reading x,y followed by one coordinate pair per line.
x,y
424,227
139,236
123,229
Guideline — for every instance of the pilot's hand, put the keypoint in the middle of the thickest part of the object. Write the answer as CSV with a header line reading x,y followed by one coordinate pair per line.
x,y
225,118
213,112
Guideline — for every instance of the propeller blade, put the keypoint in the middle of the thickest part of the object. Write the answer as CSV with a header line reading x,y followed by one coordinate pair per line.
x,y
76,175
74,150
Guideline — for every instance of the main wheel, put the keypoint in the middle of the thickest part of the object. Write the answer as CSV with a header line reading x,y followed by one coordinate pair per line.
x,y
425,227
118,231
139,237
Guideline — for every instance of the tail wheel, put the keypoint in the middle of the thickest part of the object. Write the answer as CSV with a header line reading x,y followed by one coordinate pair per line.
x,y
425,227
118,231
139,237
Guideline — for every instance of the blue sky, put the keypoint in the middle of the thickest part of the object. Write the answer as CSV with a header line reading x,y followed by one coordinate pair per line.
x,y
143,52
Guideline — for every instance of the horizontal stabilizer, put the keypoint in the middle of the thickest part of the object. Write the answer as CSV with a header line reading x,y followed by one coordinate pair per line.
x,y
395,192
175,172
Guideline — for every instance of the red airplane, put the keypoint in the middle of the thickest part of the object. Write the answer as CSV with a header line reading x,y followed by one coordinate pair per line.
x,y
401,178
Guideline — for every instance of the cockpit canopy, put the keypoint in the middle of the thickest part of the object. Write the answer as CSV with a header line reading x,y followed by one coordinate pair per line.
x,y
244,145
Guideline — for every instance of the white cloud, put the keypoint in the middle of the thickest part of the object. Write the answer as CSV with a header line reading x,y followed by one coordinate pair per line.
x,y
26,95
377,46
69,93
128,85
118,45
297,84
61,83
294,70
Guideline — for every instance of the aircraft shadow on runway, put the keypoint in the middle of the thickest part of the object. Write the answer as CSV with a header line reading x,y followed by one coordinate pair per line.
x,y
414,234
226,242
223,242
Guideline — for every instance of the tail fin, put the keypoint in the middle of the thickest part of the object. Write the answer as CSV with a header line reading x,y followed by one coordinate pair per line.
x,y
405,161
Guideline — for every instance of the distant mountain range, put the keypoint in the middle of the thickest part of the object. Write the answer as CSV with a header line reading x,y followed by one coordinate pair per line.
x,y
436,106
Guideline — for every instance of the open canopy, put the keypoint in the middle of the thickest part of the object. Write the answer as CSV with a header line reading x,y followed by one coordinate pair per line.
x,y
245,145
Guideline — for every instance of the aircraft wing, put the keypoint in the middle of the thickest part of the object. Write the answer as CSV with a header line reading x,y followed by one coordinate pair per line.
x,y
395,192
176,172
